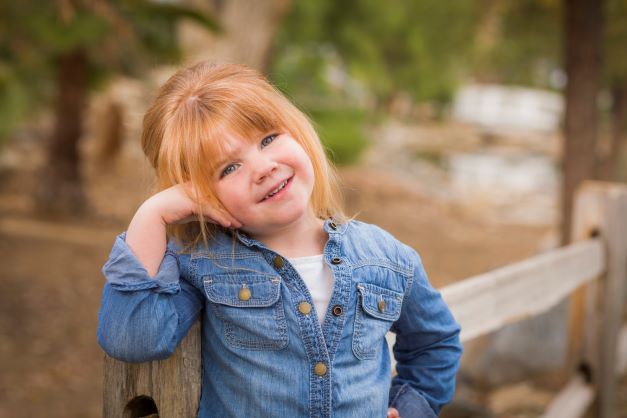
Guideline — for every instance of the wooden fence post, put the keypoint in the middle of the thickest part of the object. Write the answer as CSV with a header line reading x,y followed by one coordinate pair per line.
x,y
597,309
166,389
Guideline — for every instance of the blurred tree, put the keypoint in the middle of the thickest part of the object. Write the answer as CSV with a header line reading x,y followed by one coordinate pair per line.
x,y
583,25
417,47
252,46
58,51
615,78
518,42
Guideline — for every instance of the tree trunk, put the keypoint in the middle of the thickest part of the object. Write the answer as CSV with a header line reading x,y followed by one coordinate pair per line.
x,y
608,168
583,26
249,31
60,187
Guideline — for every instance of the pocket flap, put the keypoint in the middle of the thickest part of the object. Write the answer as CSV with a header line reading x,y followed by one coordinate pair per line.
x,y
226,289
380,302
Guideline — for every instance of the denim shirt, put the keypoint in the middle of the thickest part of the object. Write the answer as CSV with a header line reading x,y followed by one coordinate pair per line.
x,y
264,351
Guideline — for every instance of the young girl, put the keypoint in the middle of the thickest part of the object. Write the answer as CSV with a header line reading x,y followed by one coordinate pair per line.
x,y
247,233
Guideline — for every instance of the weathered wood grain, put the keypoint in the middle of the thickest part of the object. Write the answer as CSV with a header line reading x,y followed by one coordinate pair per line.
x,y
486,302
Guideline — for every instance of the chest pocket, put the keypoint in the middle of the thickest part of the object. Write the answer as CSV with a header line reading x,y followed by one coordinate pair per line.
x,y
250,309
377,309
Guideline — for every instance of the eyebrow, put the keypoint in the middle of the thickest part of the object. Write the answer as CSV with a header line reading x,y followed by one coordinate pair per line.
x,y
222,161
227,156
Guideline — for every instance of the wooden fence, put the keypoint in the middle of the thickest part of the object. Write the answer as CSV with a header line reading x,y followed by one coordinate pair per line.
x,y
591,271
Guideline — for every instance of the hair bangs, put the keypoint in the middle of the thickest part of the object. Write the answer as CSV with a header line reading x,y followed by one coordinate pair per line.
x,y
248,118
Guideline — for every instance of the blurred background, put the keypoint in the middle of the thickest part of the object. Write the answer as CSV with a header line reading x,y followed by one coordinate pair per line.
x,y
462,127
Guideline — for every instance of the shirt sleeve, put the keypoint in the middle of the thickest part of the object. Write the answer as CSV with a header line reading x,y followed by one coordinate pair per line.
x,y
427,350
144,318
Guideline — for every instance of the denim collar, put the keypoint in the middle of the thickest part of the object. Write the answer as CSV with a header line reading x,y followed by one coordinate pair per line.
x,y
331,227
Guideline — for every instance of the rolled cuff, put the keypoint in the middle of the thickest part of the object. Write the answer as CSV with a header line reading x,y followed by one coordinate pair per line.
x,y
125,273
410,403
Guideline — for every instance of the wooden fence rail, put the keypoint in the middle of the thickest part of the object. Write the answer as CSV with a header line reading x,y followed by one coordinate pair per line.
x,y
591,271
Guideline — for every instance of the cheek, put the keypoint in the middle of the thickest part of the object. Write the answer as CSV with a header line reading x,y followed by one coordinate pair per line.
x,y
300,159
231,200
308,170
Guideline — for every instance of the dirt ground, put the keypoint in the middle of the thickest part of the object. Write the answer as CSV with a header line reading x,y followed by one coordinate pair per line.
x,y
50,277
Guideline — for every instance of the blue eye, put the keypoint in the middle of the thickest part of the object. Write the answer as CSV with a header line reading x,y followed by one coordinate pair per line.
x,y
228,170
268,140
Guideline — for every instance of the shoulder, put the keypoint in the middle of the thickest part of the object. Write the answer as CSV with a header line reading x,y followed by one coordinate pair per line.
x,y
373,242
217,241
218,245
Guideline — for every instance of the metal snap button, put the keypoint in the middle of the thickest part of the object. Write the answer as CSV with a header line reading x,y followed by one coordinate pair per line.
x,y
244,294
278,262
381,306
337,310
304,308
320,369
336,260
333,226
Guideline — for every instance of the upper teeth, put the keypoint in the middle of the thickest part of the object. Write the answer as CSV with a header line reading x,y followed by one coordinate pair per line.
x,y
275,191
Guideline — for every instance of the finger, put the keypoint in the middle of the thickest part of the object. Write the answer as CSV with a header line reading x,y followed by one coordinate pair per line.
x,y
223,217
220,217
393,413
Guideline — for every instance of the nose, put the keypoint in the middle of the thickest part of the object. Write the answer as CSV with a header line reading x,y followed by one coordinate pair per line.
x,y
263,168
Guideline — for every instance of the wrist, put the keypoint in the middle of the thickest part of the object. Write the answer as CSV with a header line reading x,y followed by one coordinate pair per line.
x,y
151,210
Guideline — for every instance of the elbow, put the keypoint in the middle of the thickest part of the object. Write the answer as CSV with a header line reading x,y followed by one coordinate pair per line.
x,y
456,345
131,350
135,334
121,343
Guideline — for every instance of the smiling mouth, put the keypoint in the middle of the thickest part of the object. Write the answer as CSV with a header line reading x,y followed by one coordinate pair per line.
x,y
277,190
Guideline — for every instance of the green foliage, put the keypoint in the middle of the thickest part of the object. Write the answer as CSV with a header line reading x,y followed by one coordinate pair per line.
x,y
615,39
13,101
528,43
83,31
341,133
525,46
419,47
117,37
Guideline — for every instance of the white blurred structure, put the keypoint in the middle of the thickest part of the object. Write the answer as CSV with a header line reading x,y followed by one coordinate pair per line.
x,y
502,109
511,188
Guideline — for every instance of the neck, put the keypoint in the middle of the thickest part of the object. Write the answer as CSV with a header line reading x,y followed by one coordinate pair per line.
x,y
302,238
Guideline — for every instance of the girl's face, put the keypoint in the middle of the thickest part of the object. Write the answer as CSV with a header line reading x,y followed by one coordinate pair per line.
x,y
265,184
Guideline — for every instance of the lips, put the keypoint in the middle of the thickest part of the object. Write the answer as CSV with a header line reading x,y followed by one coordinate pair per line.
x,y
276,189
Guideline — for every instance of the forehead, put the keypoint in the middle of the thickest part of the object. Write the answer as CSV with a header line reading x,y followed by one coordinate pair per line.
x,y
227,143
231,142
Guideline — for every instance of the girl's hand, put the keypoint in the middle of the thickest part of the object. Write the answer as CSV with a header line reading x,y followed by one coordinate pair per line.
x,y
393,413
174,206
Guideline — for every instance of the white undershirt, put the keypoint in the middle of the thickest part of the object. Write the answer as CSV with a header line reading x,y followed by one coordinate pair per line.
x,y
318,278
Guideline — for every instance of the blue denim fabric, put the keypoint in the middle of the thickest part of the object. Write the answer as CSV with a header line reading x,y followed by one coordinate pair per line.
x,y
260,354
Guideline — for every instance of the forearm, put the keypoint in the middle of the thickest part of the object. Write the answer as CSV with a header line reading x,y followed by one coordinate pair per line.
x,y
427,348
145,325
146,237
141,317
430,370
